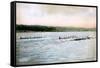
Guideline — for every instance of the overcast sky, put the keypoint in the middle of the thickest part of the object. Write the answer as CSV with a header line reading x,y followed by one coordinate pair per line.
x,y
55,15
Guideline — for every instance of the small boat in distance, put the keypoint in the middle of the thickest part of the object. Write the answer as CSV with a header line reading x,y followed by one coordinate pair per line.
x,y
76,38
29,37
69,37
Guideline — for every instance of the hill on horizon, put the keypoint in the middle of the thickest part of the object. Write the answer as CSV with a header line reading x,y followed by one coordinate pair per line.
x,y
40,28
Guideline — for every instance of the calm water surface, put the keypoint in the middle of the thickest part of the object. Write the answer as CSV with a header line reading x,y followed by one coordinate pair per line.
x,y
46,47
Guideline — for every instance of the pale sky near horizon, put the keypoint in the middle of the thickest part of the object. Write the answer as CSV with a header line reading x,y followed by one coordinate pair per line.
x,y
55,15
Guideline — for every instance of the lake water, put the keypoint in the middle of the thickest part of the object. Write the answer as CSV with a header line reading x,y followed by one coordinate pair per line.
x,y
55,47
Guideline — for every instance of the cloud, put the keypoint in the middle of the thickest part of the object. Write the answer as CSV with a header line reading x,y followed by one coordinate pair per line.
x,y
55,15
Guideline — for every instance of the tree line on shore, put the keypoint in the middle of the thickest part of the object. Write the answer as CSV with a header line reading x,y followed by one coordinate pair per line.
x,y
39,28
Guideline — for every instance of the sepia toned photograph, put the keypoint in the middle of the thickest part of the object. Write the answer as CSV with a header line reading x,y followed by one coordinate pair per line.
x,y
48,33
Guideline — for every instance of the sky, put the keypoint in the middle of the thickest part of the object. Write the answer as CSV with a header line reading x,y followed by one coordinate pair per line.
x,y
55,15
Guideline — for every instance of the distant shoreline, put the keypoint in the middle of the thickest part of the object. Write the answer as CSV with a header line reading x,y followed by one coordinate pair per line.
x,y
39,28
49,31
